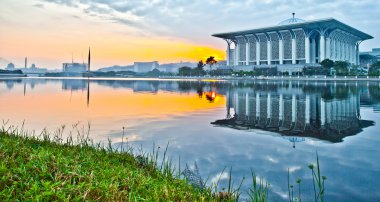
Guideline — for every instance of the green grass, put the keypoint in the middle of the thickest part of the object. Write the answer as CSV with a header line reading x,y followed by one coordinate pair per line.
x,y
47,168
44,170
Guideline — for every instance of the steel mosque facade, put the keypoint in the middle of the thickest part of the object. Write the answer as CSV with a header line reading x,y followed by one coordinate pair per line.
x,y
294,42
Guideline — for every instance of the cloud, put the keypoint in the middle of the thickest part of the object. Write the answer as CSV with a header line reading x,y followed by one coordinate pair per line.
x,y
70,3
197,20
39,5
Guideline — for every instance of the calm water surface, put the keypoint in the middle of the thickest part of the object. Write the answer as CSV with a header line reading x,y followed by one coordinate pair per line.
x,y
267,126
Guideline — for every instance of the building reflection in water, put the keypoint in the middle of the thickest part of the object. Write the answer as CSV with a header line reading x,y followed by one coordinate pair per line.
x,y
294,113
74,84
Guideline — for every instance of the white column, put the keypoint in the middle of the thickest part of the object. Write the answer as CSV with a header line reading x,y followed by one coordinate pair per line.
x,y
323,112
313,48
344,45
281,51
294,108
328,48
307,109
293,51
339,58
357,54
351,58
332,53
281,109
237,54
307,50
257,105
328,112
337,53
269,106
347,51
257,53
247,104
353,53
228,53
269,52
322,48
247,53
236,106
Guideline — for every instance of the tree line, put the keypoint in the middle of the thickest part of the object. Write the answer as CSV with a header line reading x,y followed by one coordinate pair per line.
x,y
199,70
328,68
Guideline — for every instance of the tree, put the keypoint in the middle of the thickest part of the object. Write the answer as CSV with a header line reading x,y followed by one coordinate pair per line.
x,y
341,68
327,63
154,73
185,71
200,65
374,69
355,70
211,61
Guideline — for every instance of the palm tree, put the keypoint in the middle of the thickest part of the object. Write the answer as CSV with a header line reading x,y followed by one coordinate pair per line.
x,y
211,61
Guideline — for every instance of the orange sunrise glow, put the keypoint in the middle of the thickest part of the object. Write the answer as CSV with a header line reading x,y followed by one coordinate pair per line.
x,y
52,34
69,107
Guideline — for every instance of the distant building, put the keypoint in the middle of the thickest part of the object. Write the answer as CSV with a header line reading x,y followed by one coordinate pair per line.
x,y
370,57
10,66
33,70
117,68
143,67
174,67
221,64
74,67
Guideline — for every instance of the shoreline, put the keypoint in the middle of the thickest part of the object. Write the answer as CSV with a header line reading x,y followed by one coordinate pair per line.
x,y
13,75
279,78
213,78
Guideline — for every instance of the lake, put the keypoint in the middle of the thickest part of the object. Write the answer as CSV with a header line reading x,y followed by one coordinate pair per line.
x,y
266,126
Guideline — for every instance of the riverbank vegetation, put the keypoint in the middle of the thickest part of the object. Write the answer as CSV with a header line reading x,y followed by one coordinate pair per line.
x,y
49,167
53,169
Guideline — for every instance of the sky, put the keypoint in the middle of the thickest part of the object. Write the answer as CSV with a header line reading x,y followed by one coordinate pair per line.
x,y
120,32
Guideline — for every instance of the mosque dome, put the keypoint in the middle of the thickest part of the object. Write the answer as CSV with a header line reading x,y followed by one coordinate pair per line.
x,y
292,20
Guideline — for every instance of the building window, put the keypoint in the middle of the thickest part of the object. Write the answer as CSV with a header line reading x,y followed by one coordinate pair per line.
x,y
241,48
275,45
300,43
263,46
252,48
287,41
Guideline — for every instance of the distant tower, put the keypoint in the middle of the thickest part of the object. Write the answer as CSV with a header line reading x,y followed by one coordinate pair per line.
x,y
26,62
89,59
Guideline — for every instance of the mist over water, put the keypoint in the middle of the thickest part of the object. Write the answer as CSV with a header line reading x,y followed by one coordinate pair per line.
x,y
267,126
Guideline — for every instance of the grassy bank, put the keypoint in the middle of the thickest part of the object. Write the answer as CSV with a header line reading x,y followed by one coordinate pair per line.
x,y
46,170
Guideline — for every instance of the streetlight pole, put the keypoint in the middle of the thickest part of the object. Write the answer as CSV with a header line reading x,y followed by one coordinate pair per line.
x,y
122,140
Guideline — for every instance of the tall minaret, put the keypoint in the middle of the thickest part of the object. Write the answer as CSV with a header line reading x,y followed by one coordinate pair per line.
x,y
89,59
26,62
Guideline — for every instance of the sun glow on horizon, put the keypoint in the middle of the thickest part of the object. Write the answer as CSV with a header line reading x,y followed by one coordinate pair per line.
x,y
52,35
